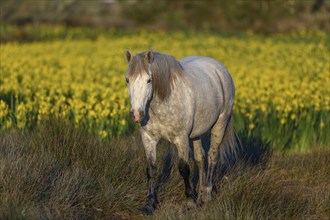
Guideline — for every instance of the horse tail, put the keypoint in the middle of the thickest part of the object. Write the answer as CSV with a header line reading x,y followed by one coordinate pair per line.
x,y
230,145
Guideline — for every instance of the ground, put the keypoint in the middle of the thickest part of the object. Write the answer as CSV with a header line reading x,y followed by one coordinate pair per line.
x,y
57,171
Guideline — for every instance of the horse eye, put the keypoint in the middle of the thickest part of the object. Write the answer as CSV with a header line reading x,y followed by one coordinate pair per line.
x,y
127,80
149,81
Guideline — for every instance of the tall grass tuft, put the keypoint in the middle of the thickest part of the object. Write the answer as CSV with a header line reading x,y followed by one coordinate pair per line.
x,y
57,171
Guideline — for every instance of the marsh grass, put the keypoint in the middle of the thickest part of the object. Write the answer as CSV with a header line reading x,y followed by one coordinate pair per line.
x,y
59,172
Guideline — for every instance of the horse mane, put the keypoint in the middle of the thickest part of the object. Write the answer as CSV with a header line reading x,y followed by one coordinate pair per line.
x,y
165,70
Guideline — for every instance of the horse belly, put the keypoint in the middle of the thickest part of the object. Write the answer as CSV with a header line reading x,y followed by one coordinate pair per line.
x,y
206,114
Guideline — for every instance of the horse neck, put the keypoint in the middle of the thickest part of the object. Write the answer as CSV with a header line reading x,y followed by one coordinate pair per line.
x,y
157,105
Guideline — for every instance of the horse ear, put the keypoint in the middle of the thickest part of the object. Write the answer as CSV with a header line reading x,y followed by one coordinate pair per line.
x,y
149,56
128,55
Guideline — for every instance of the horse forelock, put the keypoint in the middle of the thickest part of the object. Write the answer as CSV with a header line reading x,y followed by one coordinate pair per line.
x,y
165,70
137,66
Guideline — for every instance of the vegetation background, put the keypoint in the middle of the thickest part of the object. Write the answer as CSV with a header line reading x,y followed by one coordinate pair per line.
x,y
263,16
52,169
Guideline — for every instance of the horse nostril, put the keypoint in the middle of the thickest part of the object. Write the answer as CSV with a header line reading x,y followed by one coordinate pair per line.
x,y
137,116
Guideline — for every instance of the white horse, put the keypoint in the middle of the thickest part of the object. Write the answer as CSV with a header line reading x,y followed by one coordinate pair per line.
x,y
181,101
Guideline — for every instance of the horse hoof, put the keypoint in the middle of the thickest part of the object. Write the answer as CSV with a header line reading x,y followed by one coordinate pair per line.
x,y
147,210
188,206
205,196
199,201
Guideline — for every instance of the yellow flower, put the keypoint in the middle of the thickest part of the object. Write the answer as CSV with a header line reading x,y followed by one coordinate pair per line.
x,y
103,134
71,81
123,122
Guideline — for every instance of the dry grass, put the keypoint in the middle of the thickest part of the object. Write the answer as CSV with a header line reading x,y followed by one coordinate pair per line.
x,y
57,172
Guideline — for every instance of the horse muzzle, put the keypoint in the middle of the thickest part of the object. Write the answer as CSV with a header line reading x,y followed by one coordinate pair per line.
x,y
137,116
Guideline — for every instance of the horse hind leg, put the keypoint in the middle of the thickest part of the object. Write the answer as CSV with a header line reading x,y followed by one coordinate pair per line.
x,y
217,136
199,160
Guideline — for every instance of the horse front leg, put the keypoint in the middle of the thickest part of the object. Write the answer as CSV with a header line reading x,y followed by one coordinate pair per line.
x,y
183,152
150,144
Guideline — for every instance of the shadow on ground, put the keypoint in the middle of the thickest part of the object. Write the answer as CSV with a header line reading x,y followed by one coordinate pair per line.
x,y
252,153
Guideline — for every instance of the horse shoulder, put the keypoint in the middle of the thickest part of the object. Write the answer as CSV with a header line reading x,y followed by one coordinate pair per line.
x,y
172,117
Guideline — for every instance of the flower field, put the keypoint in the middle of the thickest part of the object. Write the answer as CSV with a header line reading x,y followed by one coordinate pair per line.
x,y
282,82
